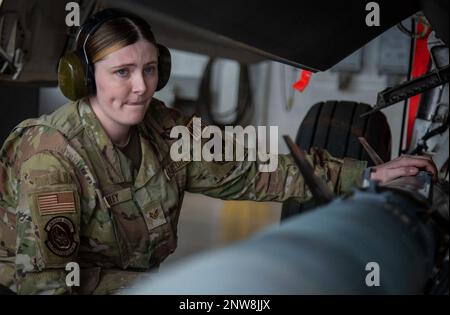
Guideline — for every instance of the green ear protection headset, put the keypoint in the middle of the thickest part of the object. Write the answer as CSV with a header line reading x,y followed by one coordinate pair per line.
x,y
75,71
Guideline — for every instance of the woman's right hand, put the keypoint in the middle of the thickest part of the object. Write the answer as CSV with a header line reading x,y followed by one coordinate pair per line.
x,y
405,165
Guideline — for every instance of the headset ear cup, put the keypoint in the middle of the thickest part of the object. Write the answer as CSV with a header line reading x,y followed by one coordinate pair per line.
x,y
71,76
164,66
90,79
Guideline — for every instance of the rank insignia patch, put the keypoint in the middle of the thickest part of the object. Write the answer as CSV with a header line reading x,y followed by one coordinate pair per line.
x,y
60,236
154,214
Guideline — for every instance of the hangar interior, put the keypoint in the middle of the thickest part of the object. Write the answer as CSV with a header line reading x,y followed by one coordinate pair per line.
x,y
206,223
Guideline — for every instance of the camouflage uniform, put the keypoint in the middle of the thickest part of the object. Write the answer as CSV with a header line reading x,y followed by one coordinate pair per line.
x,y
67,194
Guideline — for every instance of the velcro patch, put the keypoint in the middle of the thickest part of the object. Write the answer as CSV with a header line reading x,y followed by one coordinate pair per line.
x,y
56,203
60,236
173,167
117,197
154,217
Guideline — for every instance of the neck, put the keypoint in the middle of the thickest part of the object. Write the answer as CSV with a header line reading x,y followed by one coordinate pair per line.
x,y
118,133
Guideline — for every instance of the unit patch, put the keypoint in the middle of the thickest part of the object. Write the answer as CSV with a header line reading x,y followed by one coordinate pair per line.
x,y
60,236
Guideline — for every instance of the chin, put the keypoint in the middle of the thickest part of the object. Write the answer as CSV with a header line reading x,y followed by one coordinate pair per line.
x,y
133,119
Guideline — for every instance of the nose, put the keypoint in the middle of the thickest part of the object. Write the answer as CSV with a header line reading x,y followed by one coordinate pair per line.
x,y
139,84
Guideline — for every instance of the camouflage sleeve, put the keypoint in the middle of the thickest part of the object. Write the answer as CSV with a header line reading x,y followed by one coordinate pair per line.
x,y
47,224
243,180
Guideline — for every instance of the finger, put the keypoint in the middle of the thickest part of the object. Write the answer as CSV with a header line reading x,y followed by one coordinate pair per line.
x,y
423,157
415,162
429,166
394,173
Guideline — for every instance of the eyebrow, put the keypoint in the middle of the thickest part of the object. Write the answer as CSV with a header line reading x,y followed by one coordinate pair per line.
x,y
132,65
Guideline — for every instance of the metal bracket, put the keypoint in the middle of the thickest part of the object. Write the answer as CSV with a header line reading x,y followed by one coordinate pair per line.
x,y
410,88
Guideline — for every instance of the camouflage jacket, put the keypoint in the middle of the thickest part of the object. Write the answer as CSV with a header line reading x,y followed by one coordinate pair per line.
x,y
68,195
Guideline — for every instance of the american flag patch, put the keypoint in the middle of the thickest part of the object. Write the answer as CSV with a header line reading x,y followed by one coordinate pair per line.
x,y
56,202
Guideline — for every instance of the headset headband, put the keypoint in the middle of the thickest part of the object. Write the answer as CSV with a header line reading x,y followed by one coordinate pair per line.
x,y
94,22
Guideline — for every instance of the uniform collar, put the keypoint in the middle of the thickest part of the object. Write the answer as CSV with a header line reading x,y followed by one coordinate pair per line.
x,y
107,151
104,146
149,164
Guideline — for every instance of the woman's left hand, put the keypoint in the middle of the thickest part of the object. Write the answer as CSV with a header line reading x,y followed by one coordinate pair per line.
x,y
405,165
